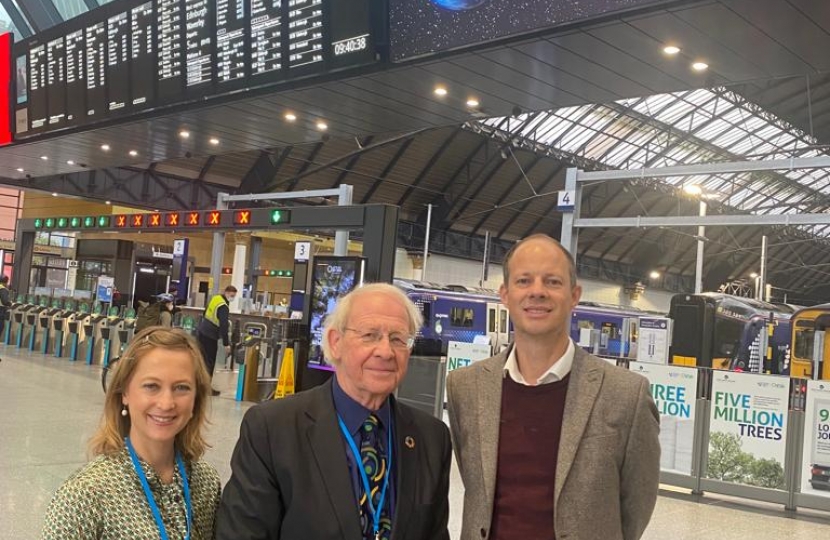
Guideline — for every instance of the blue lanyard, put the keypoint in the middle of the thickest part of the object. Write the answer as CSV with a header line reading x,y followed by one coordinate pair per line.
x,y
151,501
364,478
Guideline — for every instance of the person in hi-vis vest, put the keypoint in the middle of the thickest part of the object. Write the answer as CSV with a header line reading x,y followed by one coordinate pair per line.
x,y
214,326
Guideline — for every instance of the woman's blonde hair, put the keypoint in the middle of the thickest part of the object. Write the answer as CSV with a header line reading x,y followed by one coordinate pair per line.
x,y
109,439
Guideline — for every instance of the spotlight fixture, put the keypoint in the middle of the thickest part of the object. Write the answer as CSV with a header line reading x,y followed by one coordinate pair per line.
x,y
214,141
105,147
44,158
322,126
107,202
472,103
54,194
184,134
753,275
133,153
440,91
700,66
692,189
70,162
21,169
654,274
671,50
290,117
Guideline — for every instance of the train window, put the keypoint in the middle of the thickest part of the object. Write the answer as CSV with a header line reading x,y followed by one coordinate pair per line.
x,y
503,321
803,343
727,338
426,311
492,319
461,317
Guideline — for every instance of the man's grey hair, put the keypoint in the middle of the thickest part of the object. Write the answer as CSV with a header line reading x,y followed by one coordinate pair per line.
x,y
338,319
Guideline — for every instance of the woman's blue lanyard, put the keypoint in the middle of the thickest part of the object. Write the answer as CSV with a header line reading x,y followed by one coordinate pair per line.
x,y
364,478
149,494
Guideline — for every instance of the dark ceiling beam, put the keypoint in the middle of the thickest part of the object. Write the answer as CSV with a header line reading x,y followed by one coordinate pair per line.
x,y
17,18
545,187
116,185
300,173
429,165
259,174
494,163
352,161
510,187
808,274
387,170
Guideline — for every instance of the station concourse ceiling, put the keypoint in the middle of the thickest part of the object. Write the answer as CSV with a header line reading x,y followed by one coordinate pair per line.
x,y
487,168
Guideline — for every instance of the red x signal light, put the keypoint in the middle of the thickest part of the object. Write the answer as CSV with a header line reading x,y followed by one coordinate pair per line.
x,y
121,221
155,220
171,220
138,220
193,218
214,218
242,217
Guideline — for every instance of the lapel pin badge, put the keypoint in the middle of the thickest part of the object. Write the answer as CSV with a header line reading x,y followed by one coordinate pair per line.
x,y
409,442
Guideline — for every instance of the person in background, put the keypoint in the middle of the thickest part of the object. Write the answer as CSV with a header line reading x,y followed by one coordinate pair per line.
x,y
213,327
551,442
303,465
147,479
168,303
5,303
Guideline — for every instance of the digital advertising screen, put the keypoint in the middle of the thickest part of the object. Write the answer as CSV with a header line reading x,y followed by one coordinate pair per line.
x,y
331,278
420,27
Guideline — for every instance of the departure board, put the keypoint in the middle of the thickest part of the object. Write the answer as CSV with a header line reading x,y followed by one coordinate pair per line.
x,y
170,58
305,32
75,77
142,55
198,42
96,78
118,67
146,55
230,40
266,36
56,81
38,109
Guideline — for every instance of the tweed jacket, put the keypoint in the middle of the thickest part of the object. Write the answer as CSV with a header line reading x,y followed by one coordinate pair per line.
x,y
608,469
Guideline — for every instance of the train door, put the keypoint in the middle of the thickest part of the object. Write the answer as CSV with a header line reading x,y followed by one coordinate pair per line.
x,y
493,324
822,325
504,329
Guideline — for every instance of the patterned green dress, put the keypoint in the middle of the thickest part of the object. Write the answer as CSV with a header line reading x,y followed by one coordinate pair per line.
x,y
104,500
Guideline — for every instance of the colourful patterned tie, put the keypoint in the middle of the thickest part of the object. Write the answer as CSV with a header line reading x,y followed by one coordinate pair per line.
x,y
374,464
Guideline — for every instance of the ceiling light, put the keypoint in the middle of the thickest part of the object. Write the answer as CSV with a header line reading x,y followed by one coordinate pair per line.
x,y
671,50
472,103
107,202
184,134
133,153
54,194
692,189
440,91
44,158
105,147
70,162
20,169
700,66
654,274
753,275
214,141
322,126
290,117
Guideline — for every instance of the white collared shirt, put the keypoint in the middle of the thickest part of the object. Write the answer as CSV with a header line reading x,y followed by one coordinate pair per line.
x,y
558,371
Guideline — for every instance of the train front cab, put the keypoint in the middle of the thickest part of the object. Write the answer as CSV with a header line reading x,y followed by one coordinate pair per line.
x,y
810,345
693,330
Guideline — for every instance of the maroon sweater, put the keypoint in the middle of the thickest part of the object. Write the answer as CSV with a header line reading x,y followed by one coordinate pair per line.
x,y
531,424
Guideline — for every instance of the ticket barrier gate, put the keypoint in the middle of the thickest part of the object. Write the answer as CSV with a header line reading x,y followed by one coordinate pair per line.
x,y
254,382
109,335
127,330
15,318
31,326
45,341
59,326
76,327
91,333
19,315
7,328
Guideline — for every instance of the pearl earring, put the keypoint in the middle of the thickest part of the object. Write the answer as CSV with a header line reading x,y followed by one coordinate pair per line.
x,y
124,411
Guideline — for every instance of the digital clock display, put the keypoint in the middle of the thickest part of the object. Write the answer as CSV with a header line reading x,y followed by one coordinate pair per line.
x,y
351,45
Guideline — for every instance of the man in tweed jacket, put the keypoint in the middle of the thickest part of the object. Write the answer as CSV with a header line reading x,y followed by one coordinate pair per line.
x,y
552,442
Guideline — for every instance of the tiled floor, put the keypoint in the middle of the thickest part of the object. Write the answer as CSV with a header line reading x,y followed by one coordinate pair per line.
x,y
49,407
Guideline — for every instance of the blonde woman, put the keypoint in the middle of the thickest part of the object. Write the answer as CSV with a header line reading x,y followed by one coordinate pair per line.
x,y
147,480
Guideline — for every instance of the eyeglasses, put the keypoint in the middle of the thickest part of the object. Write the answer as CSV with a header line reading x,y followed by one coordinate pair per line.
x,y
397,340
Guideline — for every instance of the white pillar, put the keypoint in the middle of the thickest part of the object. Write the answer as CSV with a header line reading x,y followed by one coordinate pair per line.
x,y
238,274
701,234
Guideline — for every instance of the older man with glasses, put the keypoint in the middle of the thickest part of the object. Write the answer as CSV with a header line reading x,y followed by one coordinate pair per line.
x,y
303,466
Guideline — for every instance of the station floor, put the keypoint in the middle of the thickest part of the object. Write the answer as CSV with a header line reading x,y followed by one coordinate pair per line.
x,y
49,407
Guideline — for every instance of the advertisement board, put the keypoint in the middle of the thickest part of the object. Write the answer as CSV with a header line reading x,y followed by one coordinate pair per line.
x,y
815,460
105,286
674,391
654,339
748,429
460,354
331,278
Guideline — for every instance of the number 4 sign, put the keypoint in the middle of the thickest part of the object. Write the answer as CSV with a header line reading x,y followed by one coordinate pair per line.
x,y
565,203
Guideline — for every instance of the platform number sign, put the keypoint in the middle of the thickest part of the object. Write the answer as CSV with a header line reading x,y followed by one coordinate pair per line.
x,y
565,202
302,251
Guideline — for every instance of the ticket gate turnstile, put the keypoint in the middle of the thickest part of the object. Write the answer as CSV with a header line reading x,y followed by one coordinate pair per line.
x,y
44,343
92,334
127,330
109,335
76,327
31,327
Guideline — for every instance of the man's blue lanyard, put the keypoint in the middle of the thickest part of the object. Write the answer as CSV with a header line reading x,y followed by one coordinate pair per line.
x,y
364,478
149,494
